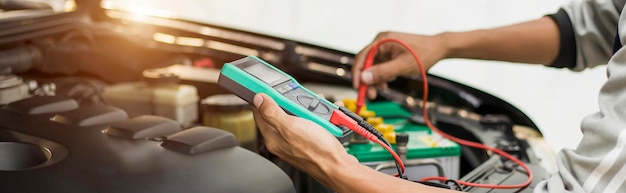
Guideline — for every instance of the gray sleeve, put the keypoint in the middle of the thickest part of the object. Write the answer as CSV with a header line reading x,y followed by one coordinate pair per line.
x,y
589,27
598,164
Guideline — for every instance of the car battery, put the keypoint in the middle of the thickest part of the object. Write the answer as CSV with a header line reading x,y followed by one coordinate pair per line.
x,y
428,154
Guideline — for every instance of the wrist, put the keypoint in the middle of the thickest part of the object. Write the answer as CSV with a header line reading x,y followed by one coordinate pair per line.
x,y
447,46
453,44
340,172
334,167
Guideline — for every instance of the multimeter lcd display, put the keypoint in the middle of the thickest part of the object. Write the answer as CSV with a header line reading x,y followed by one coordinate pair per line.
x,y
250,75
263,73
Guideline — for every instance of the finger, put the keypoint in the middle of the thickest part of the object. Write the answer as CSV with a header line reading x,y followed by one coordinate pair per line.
x,y
270,111
388,71
267,131
379,74
359,60
372,92
339,103
383,86
357,67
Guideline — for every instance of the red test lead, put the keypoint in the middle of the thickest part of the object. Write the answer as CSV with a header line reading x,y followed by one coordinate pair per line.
x,y
341,119
360,101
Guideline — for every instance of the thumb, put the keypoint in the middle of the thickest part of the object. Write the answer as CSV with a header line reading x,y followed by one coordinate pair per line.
x,y
268,108
258,100
378,74
386,71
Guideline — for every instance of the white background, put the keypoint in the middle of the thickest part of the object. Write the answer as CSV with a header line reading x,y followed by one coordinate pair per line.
x,y
555,99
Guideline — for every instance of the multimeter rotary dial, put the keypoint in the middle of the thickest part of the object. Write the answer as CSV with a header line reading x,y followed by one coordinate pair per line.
x,y
313,104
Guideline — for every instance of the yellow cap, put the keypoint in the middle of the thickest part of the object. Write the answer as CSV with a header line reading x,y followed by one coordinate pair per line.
x,y
390,136
366,114
384,128
374,120
350,103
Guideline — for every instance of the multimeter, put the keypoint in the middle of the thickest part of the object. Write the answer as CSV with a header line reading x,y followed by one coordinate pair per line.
x,y
250,75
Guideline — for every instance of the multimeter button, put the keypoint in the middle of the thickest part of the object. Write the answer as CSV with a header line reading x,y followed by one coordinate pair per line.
x,y
293,85
285,88
313,105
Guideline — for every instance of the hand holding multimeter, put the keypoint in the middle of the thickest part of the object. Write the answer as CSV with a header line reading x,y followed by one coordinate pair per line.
x,y
250,75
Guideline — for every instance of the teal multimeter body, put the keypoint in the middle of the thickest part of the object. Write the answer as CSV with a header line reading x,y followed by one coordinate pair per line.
x,y
250,75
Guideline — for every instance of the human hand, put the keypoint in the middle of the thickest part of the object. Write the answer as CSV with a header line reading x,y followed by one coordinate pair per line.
x,y
393,60
302,143
313,150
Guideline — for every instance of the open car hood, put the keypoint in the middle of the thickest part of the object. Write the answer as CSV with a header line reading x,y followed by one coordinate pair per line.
x,y
113,46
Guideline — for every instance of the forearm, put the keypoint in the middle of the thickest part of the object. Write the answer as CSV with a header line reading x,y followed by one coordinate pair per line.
x,y
354,177
535,42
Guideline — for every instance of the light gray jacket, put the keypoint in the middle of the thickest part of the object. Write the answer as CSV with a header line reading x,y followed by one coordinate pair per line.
x,y
599,162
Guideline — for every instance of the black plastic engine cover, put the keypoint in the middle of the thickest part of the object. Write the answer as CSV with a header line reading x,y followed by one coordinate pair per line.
x,y
38,154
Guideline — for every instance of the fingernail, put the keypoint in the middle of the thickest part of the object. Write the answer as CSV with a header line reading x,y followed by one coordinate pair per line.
x,y
367,77
258,100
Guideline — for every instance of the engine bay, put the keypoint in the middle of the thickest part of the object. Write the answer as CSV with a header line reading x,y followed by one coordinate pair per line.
x,y
100,100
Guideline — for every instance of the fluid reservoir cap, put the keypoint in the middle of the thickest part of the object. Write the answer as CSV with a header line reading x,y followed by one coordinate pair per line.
x,y
224,102
9,80
160,75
